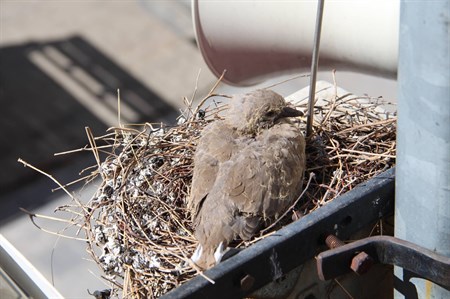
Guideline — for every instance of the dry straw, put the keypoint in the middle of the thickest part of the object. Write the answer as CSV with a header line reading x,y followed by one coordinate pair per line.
x,y
137,226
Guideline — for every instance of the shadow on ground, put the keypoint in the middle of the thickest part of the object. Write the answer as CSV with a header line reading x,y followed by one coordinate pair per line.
x,y
49,92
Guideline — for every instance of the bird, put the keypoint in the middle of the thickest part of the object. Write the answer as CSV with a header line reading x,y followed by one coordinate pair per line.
x,y
248,169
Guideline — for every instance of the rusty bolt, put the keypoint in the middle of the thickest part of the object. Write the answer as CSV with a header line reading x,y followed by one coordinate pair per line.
x,y
247,282
333,242
361,263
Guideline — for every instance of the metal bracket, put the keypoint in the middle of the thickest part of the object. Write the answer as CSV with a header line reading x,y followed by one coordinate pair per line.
x,y
422,262
273,257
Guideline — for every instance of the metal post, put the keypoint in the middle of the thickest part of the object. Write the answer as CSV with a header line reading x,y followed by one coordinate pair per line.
x,y
314,64
422,213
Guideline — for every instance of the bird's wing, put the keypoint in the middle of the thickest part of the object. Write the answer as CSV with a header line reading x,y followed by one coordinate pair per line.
x,y
265,178
214,147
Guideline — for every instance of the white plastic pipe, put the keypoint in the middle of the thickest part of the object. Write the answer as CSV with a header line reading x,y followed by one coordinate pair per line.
x,y
255,39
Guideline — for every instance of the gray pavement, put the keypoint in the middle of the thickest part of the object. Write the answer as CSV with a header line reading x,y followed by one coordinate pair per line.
x,y
69,58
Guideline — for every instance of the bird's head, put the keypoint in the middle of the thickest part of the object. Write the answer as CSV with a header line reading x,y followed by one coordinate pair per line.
x,y
261,109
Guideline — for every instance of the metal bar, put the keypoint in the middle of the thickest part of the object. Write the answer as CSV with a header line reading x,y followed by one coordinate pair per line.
x,y
19,269
386,250
276,255
314,65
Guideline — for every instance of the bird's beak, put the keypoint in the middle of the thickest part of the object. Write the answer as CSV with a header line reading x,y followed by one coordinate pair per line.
x,y
289,112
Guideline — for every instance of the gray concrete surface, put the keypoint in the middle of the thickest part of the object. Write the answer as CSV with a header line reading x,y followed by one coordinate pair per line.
x,y
152,42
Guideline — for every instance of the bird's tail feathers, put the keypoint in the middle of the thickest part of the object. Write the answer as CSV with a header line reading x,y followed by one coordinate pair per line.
x,y
208,258
246,226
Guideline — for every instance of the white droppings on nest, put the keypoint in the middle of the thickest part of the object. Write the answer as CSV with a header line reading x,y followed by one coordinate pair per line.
x,y
181,120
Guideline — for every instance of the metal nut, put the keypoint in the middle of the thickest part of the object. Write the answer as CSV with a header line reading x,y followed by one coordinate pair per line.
x,y
361,263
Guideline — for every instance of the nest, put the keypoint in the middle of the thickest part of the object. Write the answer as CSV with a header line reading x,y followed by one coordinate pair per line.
x,y
137,226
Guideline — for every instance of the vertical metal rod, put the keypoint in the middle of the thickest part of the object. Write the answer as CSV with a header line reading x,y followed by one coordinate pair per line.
x,y
314,64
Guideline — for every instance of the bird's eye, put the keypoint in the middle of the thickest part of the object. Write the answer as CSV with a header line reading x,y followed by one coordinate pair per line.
x,y
270,114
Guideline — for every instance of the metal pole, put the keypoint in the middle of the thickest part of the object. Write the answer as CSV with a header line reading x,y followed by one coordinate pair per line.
x,y
314,64
422,212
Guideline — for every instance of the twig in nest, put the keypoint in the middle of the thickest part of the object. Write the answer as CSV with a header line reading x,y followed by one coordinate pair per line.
x,y
53,179
33,215
93,145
